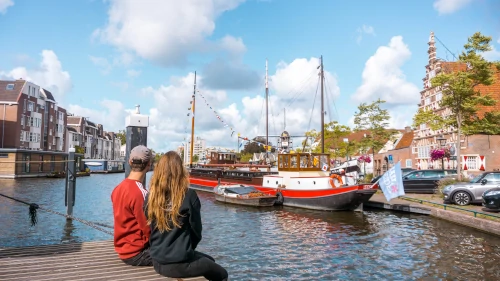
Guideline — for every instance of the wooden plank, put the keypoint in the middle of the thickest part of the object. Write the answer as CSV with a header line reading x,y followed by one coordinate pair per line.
x,y
72,261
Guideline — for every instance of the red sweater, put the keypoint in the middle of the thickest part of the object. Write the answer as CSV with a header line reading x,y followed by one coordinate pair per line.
x,y
131,229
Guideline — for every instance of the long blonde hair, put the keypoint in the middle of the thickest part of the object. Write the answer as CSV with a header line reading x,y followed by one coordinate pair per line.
x,y
168,187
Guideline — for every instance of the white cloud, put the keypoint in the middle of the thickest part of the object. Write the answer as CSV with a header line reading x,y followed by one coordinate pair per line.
x,y
165,31
4,5
233,45
110,113
365,29
132,73
492,55
102,63
384,79
449,6
170,126
49,75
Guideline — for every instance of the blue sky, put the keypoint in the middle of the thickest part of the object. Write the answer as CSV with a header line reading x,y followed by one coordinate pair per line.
x,y
100,58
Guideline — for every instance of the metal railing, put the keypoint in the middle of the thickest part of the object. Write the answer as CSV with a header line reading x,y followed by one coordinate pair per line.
x,y
421,201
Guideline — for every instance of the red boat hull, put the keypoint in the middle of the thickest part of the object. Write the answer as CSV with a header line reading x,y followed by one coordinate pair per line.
x,y
334,199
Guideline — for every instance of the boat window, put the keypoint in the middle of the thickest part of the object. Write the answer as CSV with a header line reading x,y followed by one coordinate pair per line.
x,y
304,159
294,160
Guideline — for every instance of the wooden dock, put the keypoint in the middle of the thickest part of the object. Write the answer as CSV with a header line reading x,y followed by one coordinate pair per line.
x,y
73,261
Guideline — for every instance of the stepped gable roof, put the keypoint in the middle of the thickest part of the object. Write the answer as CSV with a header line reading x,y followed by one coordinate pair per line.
x,y
10,90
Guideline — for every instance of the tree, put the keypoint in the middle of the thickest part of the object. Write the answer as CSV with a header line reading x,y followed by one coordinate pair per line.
x,y
123,136
334,138
461,95
79,149
371,117
195,158
254,147
245,157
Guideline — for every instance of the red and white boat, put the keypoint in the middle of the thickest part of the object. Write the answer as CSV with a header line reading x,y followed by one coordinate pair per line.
x,y
302,180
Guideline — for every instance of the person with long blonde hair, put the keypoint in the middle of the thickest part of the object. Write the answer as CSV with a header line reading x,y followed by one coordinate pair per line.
x,y
173,212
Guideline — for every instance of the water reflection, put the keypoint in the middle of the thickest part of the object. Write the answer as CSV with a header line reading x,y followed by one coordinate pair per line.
x,y
274,243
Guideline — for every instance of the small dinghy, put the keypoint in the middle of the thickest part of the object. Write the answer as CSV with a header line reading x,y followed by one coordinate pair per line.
x,y
243,195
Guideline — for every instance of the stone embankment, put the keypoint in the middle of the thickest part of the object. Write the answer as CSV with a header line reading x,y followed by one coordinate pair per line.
x,y
428,204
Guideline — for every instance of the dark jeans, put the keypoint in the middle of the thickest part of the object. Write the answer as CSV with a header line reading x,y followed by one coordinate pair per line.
x,y
141,259
201,265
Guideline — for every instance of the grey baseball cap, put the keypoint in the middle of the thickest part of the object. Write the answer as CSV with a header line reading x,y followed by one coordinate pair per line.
x,y
140,153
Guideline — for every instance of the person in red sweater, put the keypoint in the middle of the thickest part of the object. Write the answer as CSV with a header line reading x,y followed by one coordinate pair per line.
x,y
132,232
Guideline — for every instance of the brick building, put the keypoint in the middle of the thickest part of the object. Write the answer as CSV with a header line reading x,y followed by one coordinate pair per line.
x,y
31,119
477,151
399,149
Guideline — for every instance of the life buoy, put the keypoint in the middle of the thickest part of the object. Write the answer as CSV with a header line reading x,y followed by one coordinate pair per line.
x,y
334,177
279,198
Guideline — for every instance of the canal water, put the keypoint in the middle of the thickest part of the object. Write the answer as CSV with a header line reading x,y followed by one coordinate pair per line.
x,y
277,243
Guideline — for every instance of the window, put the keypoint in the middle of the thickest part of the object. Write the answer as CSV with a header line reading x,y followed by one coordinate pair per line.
x,y
10,87
22,136
415,175
492,177
439,96
22,120
31,106
433,174
423,126
408,163
472,162
51,118
427,101
423,151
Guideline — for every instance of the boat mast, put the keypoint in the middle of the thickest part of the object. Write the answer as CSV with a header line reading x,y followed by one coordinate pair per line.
x,y
322,110
192,123
267,111
284,119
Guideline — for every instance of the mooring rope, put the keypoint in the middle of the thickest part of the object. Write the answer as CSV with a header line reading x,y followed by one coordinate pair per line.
x,y
33,215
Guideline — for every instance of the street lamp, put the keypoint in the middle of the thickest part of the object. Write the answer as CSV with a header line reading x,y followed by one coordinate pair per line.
x,y
346,140
442,143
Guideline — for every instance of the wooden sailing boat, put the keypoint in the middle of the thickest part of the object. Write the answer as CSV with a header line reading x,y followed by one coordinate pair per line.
x,y
303,179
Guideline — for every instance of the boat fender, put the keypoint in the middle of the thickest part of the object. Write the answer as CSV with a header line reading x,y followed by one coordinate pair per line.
x,y
279,198
332,180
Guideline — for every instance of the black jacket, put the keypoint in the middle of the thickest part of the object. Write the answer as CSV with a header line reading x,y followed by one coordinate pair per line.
x,y
178,244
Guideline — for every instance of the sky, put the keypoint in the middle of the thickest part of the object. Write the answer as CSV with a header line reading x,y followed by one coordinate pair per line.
x,y
100,58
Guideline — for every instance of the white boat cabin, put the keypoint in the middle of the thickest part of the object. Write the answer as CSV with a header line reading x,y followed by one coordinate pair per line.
x,y
301,171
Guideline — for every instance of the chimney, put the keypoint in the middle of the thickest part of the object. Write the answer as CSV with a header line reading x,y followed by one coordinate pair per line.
x,y
408,129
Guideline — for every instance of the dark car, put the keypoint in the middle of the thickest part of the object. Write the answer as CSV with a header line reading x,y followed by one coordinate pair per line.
x,y
491,199
404,171
425,181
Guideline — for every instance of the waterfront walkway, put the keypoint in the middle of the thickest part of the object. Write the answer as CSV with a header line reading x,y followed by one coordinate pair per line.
x,y
73,261
431,204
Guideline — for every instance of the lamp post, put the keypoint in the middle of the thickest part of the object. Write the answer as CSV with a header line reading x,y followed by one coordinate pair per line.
x,y
442,143
346,141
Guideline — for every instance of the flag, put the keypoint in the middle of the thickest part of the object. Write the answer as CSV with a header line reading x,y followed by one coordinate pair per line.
x,y
325,167
391,183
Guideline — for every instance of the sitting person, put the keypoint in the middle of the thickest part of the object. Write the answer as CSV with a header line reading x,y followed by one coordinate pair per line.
x,y
173,213
131,231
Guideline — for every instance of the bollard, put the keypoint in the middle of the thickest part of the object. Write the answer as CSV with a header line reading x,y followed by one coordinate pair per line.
x,y
137,134
70,183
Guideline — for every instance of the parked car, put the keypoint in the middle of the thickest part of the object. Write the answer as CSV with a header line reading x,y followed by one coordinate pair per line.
x,y
404,171
425,181
465,193
491,199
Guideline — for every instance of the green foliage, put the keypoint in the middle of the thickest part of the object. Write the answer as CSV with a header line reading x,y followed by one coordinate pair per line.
x,y
334,134
245,157
373,118
123,136
368,178
79,149
461,95
253,147
195,158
